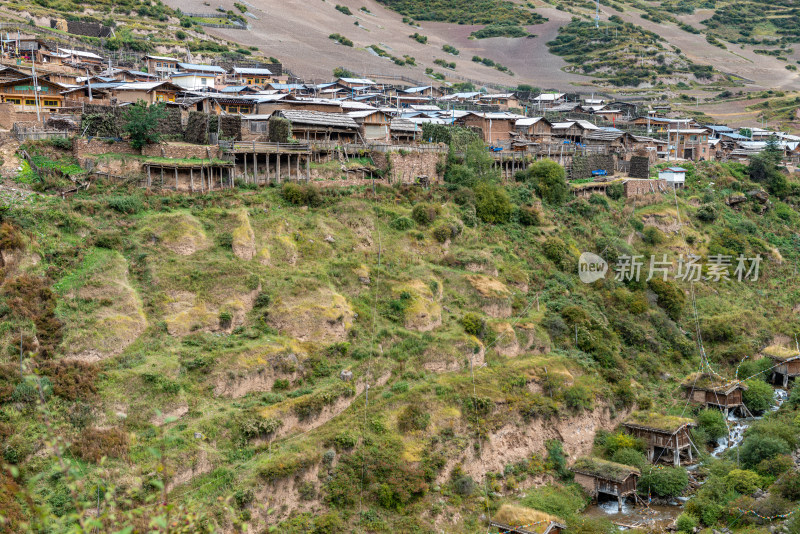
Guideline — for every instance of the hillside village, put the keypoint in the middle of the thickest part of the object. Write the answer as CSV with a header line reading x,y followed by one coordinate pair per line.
x,y
225,269
48,91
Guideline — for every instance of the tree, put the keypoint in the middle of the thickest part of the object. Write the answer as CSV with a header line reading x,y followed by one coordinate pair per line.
x,y
759,395
492,204
141,123
280,129
548,179
480,161
663,482
713,424
756,448
341,72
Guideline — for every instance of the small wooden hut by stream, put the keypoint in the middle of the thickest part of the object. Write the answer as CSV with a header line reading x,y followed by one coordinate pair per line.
x,y
665,435
714,392
786,364
513,519
601,476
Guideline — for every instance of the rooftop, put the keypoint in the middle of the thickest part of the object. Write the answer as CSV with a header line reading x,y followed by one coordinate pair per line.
x,y
525,518
780,353
707,382
657,421
596,467
320,118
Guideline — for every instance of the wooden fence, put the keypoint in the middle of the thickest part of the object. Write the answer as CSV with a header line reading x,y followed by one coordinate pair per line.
x,y
26,134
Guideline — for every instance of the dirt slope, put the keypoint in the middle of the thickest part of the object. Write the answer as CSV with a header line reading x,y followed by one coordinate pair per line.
x,y
297,32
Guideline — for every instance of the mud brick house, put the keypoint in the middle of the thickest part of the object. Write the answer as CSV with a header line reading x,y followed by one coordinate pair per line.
x,y
355,84
601,477
786,364
320,126
665,435
537,129
161,66
497,128
150,92
713,392
23,93
81,57
504,101
636,187
404,131
692,143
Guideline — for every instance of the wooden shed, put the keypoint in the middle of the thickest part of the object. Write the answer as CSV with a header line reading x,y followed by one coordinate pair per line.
x,y
665,435
601,476
711,391
786,363
514,519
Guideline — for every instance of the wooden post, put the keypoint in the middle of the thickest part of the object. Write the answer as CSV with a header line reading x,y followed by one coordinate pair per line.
x,y
191,179
162,177
677,453
176,178
255,164
297,163
149,179
202,180
245,167
278,171
308,169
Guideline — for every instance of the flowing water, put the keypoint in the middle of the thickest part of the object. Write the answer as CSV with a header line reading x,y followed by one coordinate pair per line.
x,y
661,516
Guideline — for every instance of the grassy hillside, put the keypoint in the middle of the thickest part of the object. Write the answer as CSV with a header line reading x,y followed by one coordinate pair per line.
x,y
466,11
197,350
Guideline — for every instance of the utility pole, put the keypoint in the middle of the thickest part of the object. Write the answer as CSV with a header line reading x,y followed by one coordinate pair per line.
x,y
36,93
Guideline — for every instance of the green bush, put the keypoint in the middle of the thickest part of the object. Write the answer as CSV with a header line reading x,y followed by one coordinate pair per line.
x,y
443,232
343,9
712,422
548,179
670,297
424,213
492,203
620,440
529,216
707,213
556,251
280,129
127,204
301,195
663,482
556,460
686,522
473,324
412,417
759,395
560,501
402,223
629,457
653,236
756,448
743,481
141,123
578,399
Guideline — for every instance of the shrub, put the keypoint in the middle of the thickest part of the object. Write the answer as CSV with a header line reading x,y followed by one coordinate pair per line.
x,y
529,216
301,195
743,481
756,448
492,204
707,213
402,224
670,297
556,251
548,179
127,204
71,380
653,236
343,9
621,440
629,457
412,417
759,395
775,466
578,398
473,324
712,422
686,522
180,35
615,191
464,486
10,237
252,425
443,232
424,213
663,482
556,460
93,444
280,384
64,143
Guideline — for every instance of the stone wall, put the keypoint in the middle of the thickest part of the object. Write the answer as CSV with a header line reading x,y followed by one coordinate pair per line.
x,y
108,121
82,147
582,166
637,187
407,167
202,124
640,167
180,151
9,117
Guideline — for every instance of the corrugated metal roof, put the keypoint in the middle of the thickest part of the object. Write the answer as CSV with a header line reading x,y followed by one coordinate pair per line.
x,y
245,70
360,81
201,68
320,118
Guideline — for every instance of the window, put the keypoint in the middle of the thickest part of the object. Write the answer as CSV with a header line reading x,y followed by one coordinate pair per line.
x,y
30,102
14,100
158,64
53,103
203,81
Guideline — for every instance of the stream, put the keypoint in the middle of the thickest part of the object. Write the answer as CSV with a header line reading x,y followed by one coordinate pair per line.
x,y
661,516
